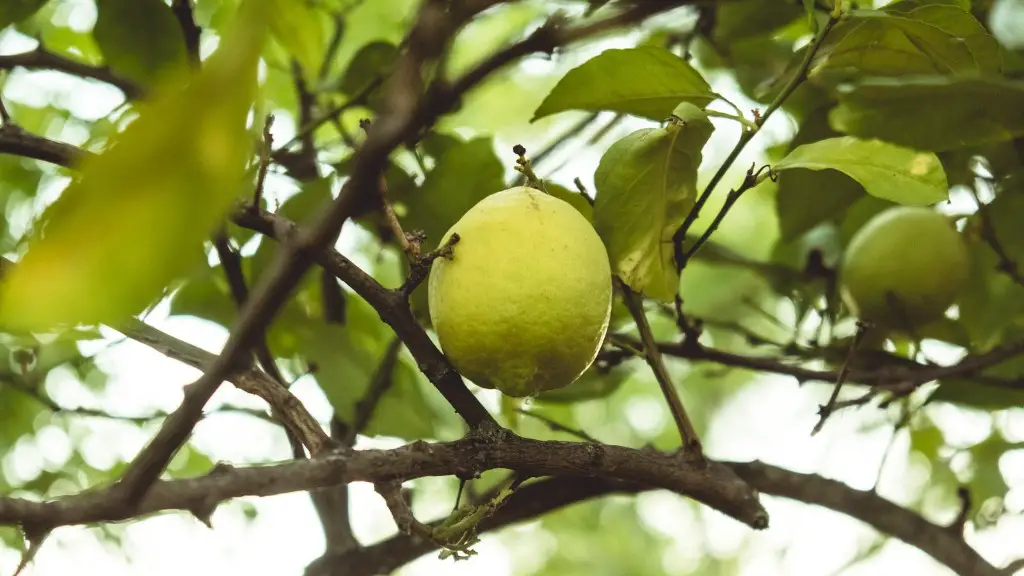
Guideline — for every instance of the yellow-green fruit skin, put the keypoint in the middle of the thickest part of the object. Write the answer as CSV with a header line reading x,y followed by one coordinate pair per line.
x,y
523,304
913,252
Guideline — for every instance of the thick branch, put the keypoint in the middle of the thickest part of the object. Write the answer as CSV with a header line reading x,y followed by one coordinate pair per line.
x,y
713,484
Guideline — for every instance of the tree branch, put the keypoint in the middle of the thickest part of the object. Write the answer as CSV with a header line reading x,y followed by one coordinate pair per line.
x,y
43,59
714,484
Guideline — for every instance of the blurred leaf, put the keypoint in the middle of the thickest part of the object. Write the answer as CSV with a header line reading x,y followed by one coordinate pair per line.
x,y
648,81
745,18
206,296
646,185
978,394
141,210
905,176
465,174
577,200
595,383
14,11
932,113
314,195
141,40
992,300
371,63
295,24
959,22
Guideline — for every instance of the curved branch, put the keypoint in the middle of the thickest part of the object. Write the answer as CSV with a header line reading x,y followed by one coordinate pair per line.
x,y
43,59
714,484
545,496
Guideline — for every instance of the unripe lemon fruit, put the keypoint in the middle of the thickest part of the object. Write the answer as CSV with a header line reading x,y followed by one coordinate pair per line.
x,y
914,253
524,302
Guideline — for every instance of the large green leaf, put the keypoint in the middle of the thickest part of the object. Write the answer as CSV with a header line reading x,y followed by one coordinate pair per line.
x,y
139,213
141,40
959,22
807,198
295,24
890,172
932,113
14,11
746,18
370,64
877,43
647,81
646,185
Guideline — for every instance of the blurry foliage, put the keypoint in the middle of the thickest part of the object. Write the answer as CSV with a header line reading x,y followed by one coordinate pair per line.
x,y
918,88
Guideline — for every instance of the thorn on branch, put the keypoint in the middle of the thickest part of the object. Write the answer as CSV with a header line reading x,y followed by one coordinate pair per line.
x,y
265,152
420,268
36,537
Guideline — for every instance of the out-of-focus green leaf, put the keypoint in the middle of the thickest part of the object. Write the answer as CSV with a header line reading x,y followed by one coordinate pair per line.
x,y
141,40
646,185
295,24
647,81
577,200
891,172
206,296
959,22
464,175
992,300
370,64
139,213
745,18
593,384
932,113
14,11
314,195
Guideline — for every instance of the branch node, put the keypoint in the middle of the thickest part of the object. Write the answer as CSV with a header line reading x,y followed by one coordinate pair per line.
x,y
420,267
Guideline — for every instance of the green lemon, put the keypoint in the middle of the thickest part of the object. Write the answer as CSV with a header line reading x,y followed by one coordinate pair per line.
x,y
523,304
906,265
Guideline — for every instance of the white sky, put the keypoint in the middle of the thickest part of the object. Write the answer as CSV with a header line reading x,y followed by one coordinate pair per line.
x,y
768,420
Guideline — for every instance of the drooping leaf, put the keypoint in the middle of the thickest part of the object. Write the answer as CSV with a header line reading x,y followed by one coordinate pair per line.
x,y
295,24
593,384
807,198
139,213
647,81
141,40
646,185
890,172
877,43
932,113
14,11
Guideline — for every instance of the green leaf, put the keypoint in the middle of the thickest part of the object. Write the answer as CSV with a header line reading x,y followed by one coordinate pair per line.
x,y
746,18
646,185
874,42
959,22
141,40
368,65
206,296
295,24
807,198
314,195
14,11
647,81
932,113
465,174
577,200
890,172
595,383
140,212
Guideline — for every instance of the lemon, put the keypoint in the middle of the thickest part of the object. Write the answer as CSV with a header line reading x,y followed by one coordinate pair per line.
x,y
913,254
523,304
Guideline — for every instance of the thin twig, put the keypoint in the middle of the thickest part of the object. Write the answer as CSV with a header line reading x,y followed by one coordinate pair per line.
x,y
691,443
264,159
555,426
844,372
748,134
